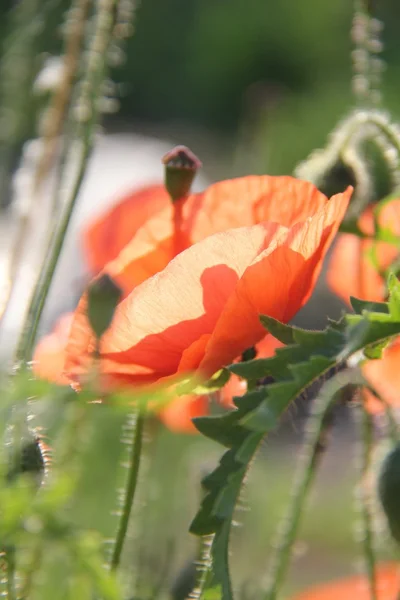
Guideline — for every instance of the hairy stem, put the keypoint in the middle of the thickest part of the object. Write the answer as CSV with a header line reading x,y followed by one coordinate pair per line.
x,y
131,486
363,496
10,585
319,424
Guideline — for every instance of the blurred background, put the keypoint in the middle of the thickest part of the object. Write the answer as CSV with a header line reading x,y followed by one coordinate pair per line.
x,y
251,86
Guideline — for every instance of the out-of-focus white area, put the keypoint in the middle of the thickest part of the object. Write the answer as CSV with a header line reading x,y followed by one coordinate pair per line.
x,y
120,163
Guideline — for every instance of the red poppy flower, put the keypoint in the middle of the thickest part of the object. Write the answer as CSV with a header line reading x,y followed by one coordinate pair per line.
x,y
352,271
148,244
357,587
105,237
202,310
49,356
384,376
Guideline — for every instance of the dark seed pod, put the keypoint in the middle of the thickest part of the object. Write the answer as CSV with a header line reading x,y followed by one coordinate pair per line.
x,y
389,490
32,458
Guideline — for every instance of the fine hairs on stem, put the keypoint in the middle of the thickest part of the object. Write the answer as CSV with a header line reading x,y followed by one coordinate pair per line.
x,y
364,500
132,480
318,426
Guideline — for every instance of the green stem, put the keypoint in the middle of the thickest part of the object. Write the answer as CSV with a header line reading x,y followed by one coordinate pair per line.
x,y
315,443
91,86
364,500
131,486
10,585
35,310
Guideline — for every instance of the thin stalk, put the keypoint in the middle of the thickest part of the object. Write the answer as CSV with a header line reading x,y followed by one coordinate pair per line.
x,y
35,310
367,440
367,66
131,485
10,585
61,100
91,90
392,425
319,424
314,446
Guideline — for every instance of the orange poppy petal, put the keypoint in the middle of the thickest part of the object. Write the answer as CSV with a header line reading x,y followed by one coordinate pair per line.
x,y
178,415
357,587
351,271
149,251
239,202
49,356
106,236
252,199
384,376
169,312
278,283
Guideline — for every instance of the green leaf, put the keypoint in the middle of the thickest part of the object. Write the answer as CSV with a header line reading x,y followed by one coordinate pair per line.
x,y
393,286
360,305
374,351
294,368
283,333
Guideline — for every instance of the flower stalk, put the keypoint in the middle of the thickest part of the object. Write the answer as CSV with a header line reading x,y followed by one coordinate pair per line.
x,y
91,88
319,425
131,486
363,497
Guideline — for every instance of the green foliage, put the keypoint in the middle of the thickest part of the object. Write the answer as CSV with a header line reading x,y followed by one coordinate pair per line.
x,y
308,356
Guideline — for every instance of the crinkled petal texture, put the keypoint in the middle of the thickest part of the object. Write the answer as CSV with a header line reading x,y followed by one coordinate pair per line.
x,y
225,205
49,357
357,587
384,376
105,237
202,310
356,262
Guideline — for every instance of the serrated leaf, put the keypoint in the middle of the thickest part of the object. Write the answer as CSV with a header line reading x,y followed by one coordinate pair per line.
x,y
360,305
282,332
294,368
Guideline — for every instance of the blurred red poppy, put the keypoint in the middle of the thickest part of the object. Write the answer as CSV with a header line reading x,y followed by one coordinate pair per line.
x,y
49,356
357,587
107,235
357,263
352,272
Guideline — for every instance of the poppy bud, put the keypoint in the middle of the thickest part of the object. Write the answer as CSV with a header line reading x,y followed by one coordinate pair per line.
x,y
103,297
181,166
389,490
